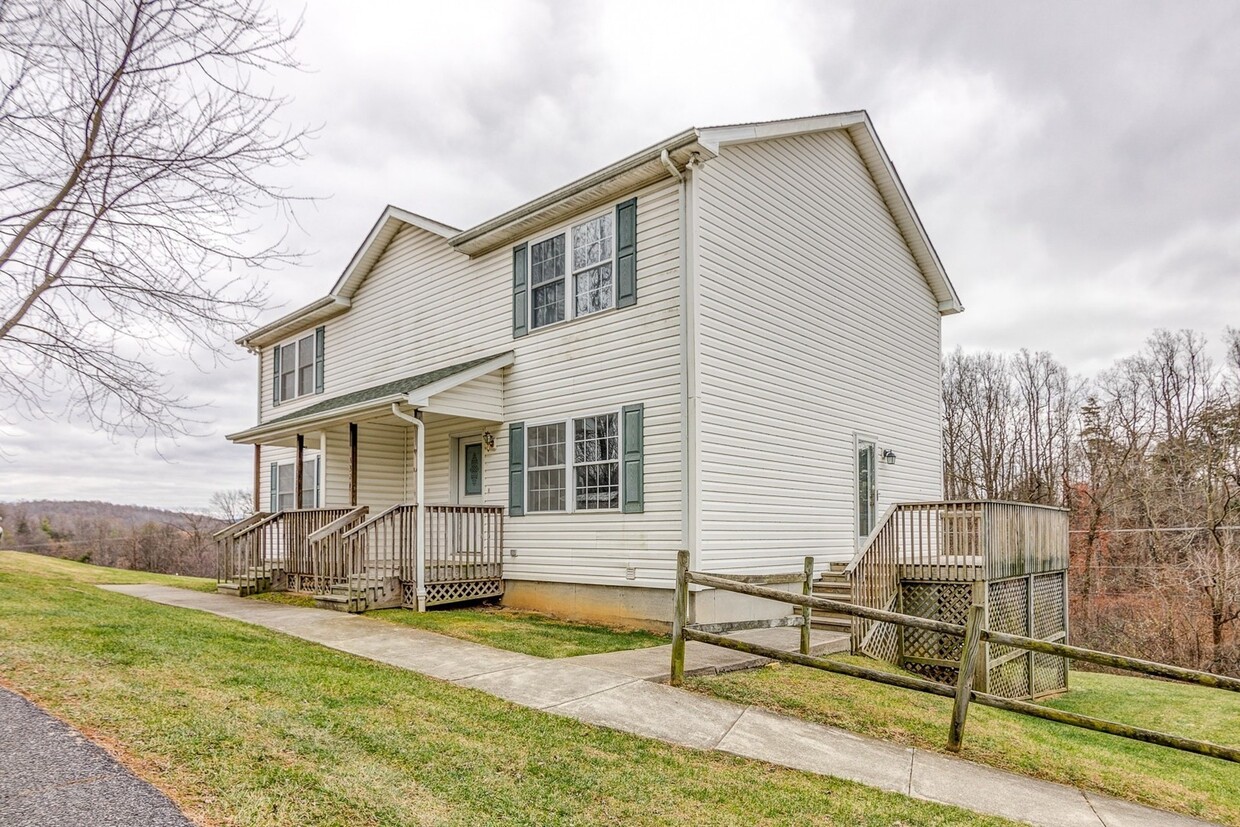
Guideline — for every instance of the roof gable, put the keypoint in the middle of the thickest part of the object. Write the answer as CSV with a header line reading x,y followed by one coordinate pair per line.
x,y
381,234
881,169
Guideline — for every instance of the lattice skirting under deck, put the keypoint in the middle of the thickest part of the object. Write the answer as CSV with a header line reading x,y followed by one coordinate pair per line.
x,y
454,592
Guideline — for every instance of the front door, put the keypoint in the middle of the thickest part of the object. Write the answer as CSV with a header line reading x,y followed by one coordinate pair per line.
x,y
469,471
867,488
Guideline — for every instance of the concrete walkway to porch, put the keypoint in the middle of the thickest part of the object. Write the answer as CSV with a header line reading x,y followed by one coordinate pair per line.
x,y
619,690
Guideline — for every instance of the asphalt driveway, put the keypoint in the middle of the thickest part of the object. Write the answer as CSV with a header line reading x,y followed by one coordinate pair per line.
x,y
52,776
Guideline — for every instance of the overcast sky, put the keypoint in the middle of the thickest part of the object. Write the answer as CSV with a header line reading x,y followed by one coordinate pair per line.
x,y
1075,163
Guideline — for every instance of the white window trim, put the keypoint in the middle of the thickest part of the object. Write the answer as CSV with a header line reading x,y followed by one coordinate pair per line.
x,y
317,491
314,357
570,478
570,287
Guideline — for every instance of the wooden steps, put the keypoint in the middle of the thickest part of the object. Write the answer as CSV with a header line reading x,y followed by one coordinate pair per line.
x,y
833,585
360,595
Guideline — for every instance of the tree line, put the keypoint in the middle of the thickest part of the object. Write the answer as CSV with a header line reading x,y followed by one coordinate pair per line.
x,y
1146,456
130,537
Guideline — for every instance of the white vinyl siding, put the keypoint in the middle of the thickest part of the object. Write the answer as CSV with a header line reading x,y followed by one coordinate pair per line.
x,y
814,324
425,306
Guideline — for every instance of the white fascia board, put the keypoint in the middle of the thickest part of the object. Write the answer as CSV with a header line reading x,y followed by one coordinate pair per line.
x,y
466,238
275,430
326,307
422,396
952,303
714,137
381,233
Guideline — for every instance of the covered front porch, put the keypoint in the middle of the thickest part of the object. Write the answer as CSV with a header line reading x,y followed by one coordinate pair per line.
x,y
386,497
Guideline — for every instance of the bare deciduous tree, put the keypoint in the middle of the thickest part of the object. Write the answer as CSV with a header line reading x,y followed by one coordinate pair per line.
x,y
232,505
1150,466
136,142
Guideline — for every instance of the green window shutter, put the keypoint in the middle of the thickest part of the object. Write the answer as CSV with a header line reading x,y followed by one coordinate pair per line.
x,y
516,469
275,375
634,465
520,294
626,253
273,475
320,335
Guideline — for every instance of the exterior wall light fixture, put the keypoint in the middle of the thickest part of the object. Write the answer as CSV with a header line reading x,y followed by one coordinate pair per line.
x,y
889,456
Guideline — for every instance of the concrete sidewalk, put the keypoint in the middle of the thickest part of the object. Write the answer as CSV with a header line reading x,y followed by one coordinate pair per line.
x,y
618,690
52,776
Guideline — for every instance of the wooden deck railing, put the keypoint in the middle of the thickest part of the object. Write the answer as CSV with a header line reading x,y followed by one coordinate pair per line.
x,y
261,544
229,563
960,541
380,548
464,542
326,549
319,549
296,528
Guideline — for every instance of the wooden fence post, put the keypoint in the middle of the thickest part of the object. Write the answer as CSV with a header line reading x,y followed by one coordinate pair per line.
x,y
680,617
964,682
807,589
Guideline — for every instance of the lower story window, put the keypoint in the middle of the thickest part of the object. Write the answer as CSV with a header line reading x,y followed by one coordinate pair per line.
x,y
284,493
588,478
596,462
546,468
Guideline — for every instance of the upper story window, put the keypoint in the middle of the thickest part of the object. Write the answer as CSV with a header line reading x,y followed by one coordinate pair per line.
x,y
588,265
298,367
586,268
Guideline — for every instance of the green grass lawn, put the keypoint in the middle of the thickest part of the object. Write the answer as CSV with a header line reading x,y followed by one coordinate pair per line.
x,y
530,633
243,726
1161,777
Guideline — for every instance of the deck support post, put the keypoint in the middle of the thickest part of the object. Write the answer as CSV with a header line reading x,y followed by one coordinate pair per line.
x,y
353,464
807,589
964,681
258,464
298,467
680,617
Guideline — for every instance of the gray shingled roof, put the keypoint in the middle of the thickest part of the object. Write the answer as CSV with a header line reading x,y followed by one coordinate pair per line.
x,y
399,386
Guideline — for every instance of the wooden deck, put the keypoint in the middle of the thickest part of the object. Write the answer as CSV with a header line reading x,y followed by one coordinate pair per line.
x,y
936,559
355,560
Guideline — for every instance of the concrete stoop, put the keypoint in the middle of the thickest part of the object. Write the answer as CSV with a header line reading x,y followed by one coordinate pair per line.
x,y
620,690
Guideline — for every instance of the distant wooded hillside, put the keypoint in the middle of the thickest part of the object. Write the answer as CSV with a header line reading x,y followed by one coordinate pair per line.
x,y
128,536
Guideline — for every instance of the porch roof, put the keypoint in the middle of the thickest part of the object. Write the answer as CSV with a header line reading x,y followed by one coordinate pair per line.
x,y
414,390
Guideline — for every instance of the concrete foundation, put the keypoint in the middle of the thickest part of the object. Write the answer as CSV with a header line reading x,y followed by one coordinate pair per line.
x,y
637,607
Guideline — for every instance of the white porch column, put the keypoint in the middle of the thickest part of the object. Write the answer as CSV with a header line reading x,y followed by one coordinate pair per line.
x,y
419,540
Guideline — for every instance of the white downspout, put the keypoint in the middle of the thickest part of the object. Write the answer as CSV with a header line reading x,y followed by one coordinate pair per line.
x,y
419,539
666,158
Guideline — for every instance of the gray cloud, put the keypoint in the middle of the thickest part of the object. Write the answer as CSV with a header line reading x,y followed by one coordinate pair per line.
x,y
1073,162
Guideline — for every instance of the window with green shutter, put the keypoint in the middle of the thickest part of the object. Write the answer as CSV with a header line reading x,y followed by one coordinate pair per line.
x,y
516,469
583,463
589,267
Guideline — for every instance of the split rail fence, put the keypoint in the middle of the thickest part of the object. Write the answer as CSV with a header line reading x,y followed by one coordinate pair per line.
x,y
962,693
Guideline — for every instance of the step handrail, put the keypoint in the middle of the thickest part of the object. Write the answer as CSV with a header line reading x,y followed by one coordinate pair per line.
x,y
368,523
242,524
869,541
270,518
337,524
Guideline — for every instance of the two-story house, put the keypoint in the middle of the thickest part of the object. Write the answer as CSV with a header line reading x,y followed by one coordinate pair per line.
x,y
727,342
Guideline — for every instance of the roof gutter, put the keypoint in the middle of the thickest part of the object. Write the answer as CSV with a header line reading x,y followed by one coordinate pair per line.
x,y
649,155
289,320
290,426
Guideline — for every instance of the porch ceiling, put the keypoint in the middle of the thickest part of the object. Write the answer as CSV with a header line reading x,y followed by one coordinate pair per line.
x,y
420,391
